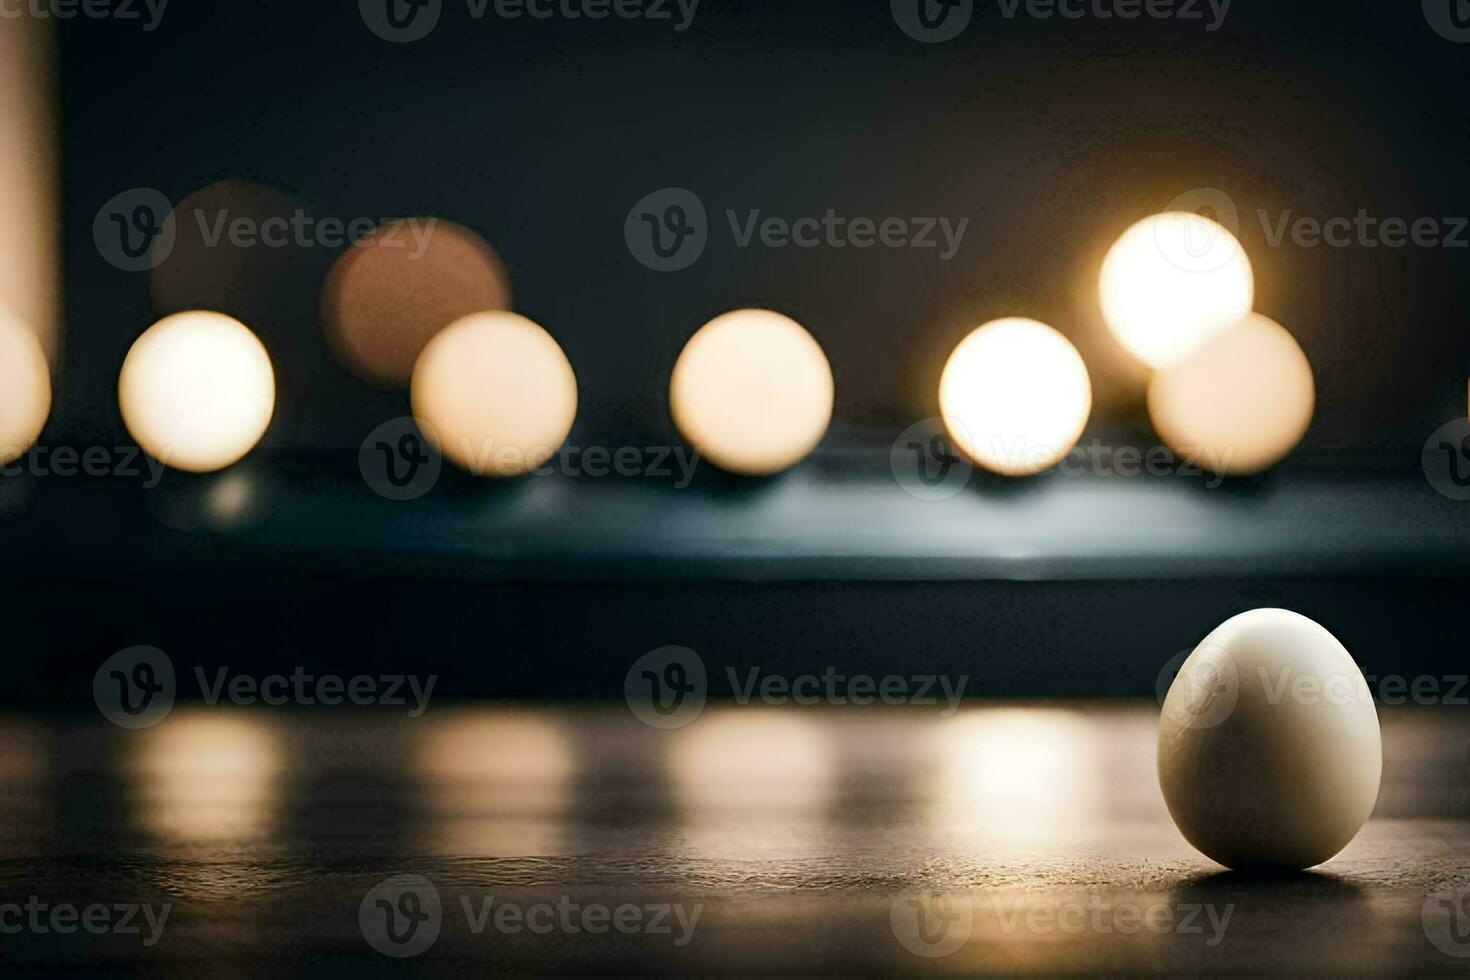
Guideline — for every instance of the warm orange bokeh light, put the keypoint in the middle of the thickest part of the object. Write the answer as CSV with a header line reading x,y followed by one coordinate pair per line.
x,y
1240,403
753,392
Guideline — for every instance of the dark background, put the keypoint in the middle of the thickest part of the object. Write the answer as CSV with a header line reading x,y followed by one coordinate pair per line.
x,y
1050,135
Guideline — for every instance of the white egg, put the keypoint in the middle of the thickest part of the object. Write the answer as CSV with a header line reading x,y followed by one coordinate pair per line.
x,y
1269,749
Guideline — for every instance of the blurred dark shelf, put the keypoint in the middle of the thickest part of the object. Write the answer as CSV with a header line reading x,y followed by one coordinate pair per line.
x,y
839,517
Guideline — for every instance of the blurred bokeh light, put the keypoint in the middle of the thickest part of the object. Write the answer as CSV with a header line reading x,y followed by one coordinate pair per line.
x,y
394,289
1173,281
1015,396
209,777
1240,403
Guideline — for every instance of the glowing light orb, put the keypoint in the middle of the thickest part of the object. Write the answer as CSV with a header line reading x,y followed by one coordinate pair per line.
x,y
25,389
1173,281
393,290
1015,396
1240,403
752,392
498,393
197,391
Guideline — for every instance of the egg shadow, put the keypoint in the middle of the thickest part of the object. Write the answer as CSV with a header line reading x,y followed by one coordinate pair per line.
x,y
1295,912
1309,882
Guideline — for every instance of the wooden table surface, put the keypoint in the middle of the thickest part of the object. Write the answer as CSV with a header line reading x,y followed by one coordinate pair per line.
x,y
1005,839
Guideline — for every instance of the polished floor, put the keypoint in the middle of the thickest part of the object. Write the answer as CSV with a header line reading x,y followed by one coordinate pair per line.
x,y
1007,839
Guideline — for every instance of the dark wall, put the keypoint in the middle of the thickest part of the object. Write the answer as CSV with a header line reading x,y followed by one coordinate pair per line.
x,y
1011,639
1051,136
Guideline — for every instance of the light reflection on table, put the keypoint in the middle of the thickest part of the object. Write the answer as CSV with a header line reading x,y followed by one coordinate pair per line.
x,y
797,831
206,777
